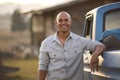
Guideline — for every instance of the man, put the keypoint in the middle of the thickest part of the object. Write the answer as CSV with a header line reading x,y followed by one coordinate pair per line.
x,y
61,54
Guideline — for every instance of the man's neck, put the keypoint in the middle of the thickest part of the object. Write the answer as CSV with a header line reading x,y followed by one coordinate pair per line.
x,y
63,35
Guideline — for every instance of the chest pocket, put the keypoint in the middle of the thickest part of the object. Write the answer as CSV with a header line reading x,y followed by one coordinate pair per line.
x,y
55,54
74,51
55,58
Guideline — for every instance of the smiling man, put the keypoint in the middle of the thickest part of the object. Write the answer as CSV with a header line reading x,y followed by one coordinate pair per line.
x,y
61,54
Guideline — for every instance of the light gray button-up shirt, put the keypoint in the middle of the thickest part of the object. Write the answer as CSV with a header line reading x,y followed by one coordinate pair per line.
x,y
64,62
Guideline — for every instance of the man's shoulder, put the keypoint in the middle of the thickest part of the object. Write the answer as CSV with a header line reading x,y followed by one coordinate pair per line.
x,y
74,35
80,38
49,38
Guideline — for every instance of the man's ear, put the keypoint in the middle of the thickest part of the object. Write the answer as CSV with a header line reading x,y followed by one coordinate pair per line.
x,y
56,22
71,22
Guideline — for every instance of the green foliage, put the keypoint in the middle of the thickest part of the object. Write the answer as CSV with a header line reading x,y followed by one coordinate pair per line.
x,y
18,23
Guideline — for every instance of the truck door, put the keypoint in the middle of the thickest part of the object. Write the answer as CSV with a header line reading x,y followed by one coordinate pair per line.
x,y
109,62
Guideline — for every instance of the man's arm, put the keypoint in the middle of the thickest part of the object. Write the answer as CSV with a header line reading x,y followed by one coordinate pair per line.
x,y
94,63
41,75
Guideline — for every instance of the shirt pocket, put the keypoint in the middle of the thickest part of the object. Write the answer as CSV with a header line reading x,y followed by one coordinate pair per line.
x,y
55,54
74,51
56,59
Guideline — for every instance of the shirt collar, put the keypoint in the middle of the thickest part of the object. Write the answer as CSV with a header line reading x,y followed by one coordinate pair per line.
x,y
55,38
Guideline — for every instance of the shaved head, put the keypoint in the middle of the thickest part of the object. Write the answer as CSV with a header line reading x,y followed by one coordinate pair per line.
x,y
65,13
63,22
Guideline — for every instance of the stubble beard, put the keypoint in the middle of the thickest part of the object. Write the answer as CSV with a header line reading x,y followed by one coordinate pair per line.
x,y
64,31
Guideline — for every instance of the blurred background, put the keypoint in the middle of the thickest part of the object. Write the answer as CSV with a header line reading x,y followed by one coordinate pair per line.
x,y
25,23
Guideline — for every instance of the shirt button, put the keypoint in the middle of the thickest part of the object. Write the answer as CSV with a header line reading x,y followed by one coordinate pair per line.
x,y
66,71
75,51
66,61
54,55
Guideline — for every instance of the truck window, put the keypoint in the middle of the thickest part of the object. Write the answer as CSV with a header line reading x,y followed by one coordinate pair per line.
x,y
112,20
88,27
112,30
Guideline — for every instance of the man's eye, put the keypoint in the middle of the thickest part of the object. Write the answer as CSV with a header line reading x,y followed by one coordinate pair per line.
x,y
66,20
60,20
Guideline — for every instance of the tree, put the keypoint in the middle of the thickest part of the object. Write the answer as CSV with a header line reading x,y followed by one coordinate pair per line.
x,y
18,23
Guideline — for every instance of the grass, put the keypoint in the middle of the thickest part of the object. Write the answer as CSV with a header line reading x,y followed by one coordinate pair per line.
x,y
28,69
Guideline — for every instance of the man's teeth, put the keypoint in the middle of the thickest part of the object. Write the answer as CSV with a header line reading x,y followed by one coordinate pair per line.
x,y
64,26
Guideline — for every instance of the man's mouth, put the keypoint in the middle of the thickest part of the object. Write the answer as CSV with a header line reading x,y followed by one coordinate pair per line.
x,y
64,26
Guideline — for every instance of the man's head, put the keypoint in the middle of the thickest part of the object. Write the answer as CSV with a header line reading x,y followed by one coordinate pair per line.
x,y
63,22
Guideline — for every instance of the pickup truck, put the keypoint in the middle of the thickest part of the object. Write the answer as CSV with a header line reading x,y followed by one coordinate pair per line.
x,y
97,22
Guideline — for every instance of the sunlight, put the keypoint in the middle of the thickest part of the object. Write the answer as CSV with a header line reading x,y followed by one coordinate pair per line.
x,y
42,2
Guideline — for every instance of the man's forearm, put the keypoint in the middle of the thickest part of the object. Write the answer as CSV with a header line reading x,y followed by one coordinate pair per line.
x,y
94,62
41,75
99,49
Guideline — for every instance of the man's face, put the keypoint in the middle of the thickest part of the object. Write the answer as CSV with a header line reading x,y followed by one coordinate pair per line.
x,y
63,22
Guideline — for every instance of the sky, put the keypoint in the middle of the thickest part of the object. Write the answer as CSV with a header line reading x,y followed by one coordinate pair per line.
x,y
42,2
7,6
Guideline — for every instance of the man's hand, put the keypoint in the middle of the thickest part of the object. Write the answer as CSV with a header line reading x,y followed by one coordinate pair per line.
x,y
94,62
41,75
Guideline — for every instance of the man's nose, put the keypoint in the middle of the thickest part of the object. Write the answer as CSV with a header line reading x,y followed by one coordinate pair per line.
x,y
63,22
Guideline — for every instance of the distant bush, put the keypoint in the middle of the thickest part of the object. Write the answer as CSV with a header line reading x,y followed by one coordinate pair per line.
x,y
6,54
18,23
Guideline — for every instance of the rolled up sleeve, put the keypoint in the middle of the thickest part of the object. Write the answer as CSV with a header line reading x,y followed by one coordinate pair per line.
x,y
91,44
43,57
